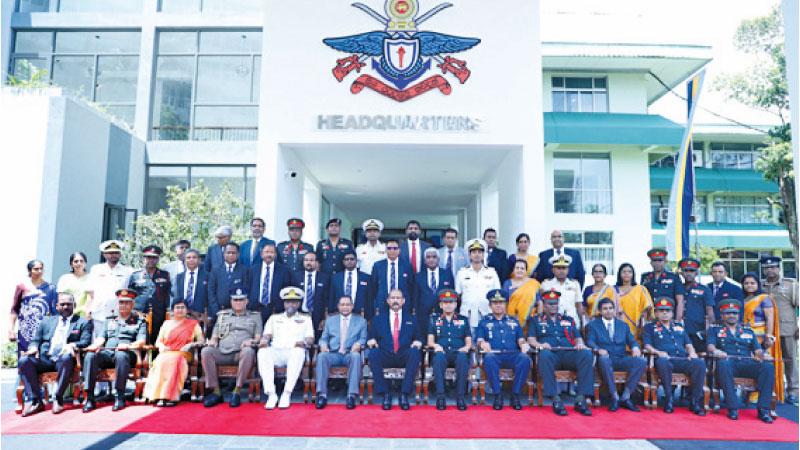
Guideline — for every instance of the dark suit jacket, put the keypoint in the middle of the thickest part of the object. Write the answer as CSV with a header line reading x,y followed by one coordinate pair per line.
x,y
427,299
597,337
200,303
381,331
219,287
214,258
80,333
498,260
322,293
247,246
727,291
281,278
379,287
405,255
337,291
576,271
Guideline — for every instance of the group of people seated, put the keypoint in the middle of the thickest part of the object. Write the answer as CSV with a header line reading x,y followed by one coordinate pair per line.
x,y
269,312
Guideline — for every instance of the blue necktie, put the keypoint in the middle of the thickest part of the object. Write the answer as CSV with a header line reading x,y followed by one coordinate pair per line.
x,y
230,272
433,281
392,279
265,287
309,292
190,293
450,260
348,286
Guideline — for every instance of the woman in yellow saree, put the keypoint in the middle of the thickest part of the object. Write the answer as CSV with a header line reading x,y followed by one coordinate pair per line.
x,y
176,339
600,289
524,293
635,303
523,243
761,315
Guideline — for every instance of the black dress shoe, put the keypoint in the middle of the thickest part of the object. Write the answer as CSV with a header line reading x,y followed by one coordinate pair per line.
x,y
628,404
321,401
498,401
212,399
515,403
733,414
614,405
461,404
387,402
668,408
583,409
764,416
351,402
235,401
89,405
441,403
119,403
559,409
404,402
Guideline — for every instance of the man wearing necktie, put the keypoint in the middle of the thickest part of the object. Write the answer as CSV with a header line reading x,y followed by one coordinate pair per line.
x,y
192,286
430,280
343,338
412,249
723,290
316,288
266,281
229,275
394,342
387,274
451,256
350,282
251,249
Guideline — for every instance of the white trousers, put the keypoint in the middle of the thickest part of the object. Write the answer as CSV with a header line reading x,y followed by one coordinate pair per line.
x,y
269,358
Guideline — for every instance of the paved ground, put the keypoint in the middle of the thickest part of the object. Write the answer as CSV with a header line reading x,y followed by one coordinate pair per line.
x,y
148,441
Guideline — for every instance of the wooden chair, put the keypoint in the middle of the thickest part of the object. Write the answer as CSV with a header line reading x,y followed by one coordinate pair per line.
x,y
506,376
137,374
678,379
745,385
450,375
562,376
49,378
621,378
335,373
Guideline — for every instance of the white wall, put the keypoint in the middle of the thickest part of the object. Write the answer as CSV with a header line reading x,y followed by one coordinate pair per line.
x,y
505,197
627,92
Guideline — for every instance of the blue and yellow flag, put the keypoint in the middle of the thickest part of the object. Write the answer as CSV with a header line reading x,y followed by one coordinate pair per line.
x,y
681,198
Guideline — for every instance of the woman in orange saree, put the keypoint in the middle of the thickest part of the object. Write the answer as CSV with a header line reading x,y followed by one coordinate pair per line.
x,y
635,303
600,289
761,315
524,293
176,339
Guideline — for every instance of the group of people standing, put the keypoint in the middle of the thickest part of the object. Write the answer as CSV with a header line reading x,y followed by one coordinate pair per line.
x,y
264,303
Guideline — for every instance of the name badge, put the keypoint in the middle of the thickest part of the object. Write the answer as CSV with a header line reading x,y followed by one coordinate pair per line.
x,y
746,336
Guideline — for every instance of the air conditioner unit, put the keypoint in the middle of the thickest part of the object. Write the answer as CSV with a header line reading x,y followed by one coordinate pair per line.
x,y
662,214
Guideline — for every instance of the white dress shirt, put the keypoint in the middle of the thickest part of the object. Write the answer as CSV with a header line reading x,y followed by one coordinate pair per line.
x,y
392,315
59,339
305,288
186,283
435,273
418,263
606,323
266,268
353,283
389,273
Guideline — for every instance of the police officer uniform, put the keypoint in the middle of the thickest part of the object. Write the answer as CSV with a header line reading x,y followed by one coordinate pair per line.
x,y
118,331
697,301
784,293
665,283
367,253
153,293
330,256
741,341
570,290
451,334
292,253
231,329
473,286
503,335
560,332
673,338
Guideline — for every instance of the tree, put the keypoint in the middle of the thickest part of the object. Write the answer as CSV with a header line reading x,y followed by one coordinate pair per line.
x,y
28,76
763,86
191,214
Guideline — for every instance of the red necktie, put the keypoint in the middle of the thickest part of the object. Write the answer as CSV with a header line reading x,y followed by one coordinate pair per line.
x,y
396,333
414,256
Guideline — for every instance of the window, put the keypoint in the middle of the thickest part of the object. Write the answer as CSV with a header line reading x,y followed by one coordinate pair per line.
x,y
215,6
26,6
595,247
658,201
731,209
98,66
207,85
240,178
669,160
742,261
582,183
580,94
734,155
789,264
112,6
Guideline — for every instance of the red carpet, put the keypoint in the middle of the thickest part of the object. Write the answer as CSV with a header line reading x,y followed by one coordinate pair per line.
x,y
420,422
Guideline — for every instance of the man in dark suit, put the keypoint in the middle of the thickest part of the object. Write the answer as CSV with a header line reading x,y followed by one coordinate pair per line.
x,y
250,253
191,285
316,287
429,282
350,282
610,337
412,248
496,257
723,290
215,255
387,274
267,278
544,270
55,345
230,274
393,342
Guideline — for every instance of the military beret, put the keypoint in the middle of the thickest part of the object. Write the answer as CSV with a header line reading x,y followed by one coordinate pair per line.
x,y
475,244
125,295
689,264
657,254
665,303
332,221
111,246
372,224
295,222
291,293
551,296
238,293
730,306
447,295
152,250
771,261
562,260
497,295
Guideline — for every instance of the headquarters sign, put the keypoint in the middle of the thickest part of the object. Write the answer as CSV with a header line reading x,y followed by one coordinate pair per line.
x,y
401,54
